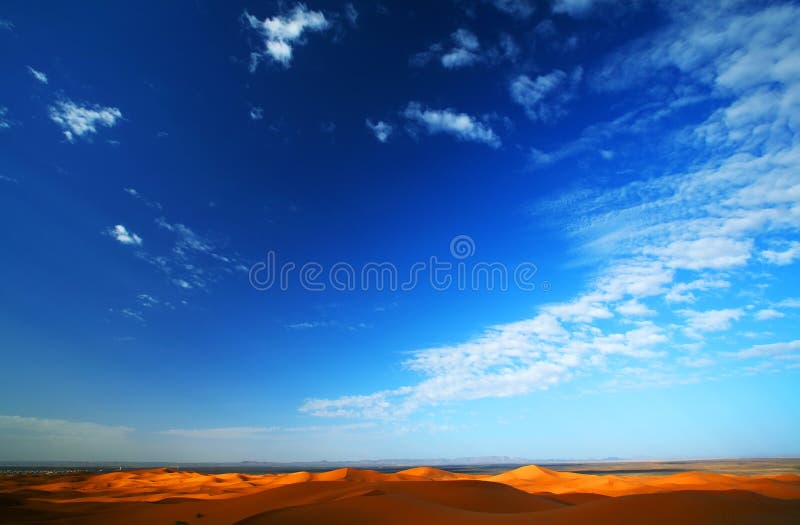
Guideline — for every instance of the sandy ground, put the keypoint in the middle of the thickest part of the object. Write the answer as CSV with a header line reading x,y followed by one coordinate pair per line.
x,y
423,495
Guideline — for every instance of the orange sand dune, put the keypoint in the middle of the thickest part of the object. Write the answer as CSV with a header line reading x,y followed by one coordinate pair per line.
x,y
422,495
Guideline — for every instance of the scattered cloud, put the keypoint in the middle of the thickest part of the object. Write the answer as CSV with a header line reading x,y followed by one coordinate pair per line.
x,y
545,96
710,320
768,313
38,75
380,129
351,14
280,34
519,9
791,302
123,235
133,314
4,122
575,8
769,350
465,50
682,292
138,196
447,121
79,121
782,257
256,113
634,308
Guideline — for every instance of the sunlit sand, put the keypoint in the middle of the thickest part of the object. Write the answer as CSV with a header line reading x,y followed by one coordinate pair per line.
x,y
529,494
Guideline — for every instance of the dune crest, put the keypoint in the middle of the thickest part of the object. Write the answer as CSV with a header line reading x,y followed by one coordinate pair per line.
x,y
420,494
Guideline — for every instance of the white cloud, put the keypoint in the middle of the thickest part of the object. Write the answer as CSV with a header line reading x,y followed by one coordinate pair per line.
x,y
545,96
769,350
138,196
768,313
380,129
464,53
465,50
634,308
38,75
4,122
448,121
78,121
707,253
182,283
711,320
280,34
123,235
790,302
697,361
256,113
682,292
782,257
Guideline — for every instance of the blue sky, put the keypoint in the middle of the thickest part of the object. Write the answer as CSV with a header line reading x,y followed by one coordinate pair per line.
x,y
640,160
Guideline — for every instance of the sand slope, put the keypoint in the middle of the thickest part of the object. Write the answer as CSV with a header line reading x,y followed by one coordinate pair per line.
x,y
420,495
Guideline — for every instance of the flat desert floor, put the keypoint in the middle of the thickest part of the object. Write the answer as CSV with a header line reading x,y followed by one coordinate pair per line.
x,y
422,495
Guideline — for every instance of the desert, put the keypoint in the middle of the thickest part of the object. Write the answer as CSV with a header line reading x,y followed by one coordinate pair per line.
x,y
424,495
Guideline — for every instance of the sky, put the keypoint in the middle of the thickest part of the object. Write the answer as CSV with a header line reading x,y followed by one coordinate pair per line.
x,y
334,230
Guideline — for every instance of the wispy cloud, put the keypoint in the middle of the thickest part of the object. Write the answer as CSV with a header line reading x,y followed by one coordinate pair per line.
x,y
280,34
464,50
133,192
769,350
5,123
380,129
123,235
38,75
768,313
256,113
520,9
60,428
576,8
80,121
450,122
258,432
710,320
782,257
545,96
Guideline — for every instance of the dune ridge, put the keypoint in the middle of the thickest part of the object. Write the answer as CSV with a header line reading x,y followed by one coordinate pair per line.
x,y
431,495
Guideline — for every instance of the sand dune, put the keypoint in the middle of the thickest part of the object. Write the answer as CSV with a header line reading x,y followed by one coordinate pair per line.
x,y
422,495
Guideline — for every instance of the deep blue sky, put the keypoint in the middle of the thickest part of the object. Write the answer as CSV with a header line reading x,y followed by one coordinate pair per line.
x,y
644,158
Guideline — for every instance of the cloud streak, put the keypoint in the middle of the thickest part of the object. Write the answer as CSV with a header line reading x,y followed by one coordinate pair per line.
x,y
447,121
